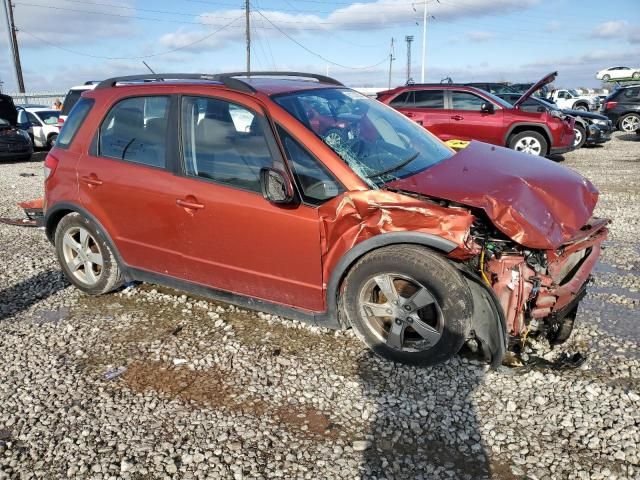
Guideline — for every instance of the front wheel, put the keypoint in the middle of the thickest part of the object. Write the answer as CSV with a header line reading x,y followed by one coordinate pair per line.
x,y
606,78
85,256
408,304
581,136
581,108
636,75
630,122
529,142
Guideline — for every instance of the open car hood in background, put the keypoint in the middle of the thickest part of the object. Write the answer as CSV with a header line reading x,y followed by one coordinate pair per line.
x,y
534,201
8,110
535,87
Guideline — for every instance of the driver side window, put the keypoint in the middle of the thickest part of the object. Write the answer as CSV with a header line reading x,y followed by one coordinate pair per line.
x,y
316,183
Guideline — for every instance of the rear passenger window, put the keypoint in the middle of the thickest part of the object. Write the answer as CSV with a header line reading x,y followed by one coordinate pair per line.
x,y
429,99
224,142
466,101
135,130
401,100
74,120
632,92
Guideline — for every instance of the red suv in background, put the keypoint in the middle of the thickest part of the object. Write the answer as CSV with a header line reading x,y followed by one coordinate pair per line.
x,y
239,188
466,113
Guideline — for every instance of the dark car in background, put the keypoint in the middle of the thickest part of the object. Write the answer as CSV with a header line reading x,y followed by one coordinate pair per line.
x,y
15,143
622,107
460,112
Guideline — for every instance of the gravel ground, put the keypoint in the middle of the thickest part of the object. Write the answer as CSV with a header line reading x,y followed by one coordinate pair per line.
x,y
211,391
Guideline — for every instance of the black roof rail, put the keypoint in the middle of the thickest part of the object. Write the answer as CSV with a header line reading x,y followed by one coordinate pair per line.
x,y
224,79
314,76
229,80
92,82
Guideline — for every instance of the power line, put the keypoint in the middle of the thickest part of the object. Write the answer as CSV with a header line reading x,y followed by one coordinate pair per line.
x,y
316,54
202,39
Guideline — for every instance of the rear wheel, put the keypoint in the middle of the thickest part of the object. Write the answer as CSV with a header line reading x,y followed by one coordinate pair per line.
x,y
51,141
529,142
581,107
408,304
86,258
630,122
636,75
581,136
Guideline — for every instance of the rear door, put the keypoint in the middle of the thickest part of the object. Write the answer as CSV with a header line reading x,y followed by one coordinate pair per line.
x,y
233,239
469,122
425,107
125,182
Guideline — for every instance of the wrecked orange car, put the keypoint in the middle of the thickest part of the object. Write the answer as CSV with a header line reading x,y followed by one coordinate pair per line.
x,y
228,186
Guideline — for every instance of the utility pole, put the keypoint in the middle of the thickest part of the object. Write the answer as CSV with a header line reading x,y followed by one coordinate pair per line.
x,y
247,13
408,39
391,59
13,39
425,17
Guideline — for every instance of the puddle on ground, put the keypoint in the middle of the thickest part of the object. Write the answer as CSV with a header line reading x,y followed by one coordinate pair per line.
x,y
52,316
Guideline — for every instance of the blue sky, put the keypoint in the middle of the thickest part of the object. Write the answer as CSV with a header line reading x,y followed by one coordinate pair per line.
x,y
66,42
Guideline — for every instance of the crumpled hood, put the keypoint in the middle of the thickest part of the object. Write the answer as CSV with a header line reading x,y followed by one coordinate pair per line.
x,y
534,201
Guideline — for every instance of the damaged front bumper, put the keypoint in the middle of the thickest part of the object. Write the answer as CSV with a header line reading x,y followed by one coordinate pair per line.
x,y
538,296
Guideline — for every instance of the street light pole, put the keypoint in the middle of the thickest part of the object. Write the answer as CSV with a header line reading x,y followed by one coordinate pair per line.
x,y
424,40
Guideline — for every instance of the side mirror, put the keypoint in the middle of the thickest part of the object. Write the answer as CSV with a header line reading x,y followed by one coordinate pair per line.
x,y
276,186
487,107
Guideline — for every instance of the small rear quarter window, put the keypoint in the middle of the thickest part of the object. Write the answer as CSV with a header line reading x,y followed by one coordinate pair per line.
x,y
74,120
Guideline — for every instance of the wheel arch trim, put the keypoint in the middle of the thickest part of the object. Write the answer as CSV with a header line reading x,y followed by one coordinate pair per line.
x,y
354,254
533,126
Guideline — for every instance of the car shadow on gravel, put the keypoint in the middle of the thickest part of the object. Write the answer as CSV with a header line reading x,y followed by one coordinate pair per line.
x,y
425,425
629,137
26,293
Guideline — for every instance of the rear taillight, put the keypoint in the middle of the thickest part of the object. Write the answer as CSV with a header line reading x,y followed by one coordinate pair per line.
x,y
50,165
610,105
60,122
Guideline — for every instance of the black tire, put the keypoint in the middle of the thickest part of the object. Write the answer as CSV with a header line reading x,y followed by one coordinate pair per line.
x,y
51,140
581,133
433,272
544,147
636,75
581,107
624,121
606,78
561,331
110,276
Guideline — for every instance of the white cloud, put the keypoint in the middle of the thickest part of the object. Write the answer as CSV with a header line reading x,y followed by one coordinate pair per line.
x,y
610,29
68,23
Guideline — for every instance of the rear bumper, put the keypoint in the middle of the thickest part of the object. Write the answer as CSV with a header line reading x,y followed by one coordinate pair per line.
x,y
16,153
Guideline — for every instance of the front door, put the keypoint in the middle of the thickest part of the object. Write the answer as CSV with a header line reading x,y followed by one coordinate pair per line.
x,y
234,239
469,122
126,185
426,107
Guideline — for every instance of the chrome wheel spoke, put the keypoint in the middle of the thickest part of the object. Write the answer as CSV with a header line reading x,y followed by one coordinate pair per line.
x,y
68,241
95,258
395,337
385,282
420,299
89,273
426,331
377,309
84,239
74,264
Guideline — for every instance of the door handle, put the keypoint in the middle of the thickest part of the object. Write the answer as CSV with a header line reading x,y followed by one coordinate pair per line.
x,y
410,114
457,117
191,204
91,180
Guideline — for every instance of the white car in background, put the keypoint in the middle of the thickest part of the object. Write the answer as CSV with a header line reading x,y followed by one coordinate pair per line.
x,y
41,123
73,95
618,73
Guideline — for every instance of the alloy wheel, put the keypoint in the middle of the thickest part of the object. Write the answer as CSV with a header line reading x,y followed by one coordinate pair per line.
x,y
401,312
82,255
630,123
528,145
578,137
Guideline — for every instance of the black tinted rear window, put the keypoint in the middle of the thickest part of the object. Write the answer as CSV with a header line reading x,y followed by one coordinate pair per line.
x,y
70,100
73,122
429,98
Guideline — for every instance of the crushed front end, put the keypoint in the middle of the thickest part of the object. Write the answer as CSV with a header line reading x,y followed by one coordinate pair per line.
x,y
539,290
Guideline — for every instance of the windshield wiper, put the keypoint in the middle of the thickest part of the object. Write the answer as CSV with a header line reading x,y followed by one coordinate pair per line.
x,y
396,167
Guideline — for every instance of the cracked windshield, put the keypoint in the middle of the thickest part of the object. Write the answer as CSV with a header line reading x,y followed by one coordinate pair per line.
x,y
377,143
